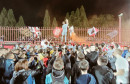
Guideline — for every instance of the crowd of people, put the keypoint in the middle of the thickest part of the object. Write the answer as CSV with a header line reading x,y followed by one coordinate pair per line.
x,y
67,63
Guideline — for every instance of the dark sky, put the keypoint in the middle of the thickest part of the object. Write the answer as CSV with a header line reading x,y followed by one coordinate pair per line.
x,y
33,10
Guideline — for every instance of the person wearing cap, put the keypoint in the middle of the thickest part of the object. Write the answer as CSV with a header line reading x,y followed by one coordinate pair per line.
x,y
85,77
75,69
58,73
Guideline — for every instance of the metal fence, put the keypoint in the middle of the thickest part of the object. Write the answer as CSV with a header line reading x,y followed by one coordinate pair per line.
x,y
13,34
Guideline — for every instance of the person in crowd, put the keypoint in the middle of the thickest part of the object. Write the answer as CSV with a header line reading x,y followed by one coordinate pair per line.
x,y
22,73
122,68
75,69
64,28
9,67
60,64
110,51
125,52
128,59
128,54
102,73
85,77
58,73
92,56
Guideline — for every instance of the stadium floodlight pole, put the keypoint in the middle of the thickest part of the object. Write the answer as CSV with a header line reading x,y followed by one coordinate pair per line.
x,y
120,15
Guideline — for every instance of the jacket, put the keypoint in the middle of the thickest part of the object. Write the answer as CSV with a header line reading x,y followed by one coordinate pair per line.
x,y
103,74
92,58
75,73
21,76
57,77
86,79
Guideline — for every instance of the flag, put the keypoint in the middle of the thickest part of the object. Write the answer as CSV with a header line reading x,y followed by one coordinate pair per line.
x,y
36,31
57,31
92,31
113,34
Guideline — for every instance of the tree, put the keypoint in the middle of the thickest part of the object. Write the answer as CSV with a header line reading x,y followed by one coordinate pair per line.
x,y
106,20
3,15
93,21
46,21
6,22
67,15
11,18
72,18
83,18
77,18
1,20
20,22
4,12
54,22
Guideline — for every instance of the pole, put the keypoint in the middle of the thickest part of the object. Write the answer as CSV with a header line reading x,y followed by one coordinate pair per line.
x,y
119,29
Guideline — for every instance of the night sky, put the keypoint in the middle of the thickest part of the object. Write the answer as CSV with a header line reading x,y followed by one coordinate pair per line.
x,y
33,10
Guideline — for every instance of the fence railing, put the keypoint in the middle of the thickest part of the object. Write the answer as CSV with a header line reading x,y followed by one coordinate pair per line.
x,y
13,34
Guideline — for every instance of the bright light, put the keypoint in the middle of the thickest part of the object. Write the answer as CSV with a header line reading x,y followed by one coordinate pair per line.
x,y
120,15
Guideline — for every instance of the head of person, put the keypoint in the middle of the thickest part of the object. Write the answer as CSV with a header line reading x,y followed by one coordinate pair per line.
x,y
21,64
126,48
23,56
117,53
128,59
116,45
96,44
63,22
102,61
66,21
111,47
84,66
92,48
10,55
80,56
17,51
24,52
40,51
58,64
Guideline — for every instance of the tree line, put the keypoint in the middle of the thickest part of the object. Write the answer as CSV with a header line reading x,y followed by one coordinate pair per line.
x,y
7,18
77,18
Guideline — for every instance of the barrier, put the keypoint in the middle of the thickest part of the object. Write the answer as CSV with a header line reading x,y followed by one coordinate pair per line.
x,y
13,34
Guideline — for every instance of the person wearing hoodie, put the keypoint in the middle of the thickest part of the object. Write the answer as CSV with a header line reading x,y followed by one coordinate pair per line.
x,y
57,76
85,77
102,73
22,72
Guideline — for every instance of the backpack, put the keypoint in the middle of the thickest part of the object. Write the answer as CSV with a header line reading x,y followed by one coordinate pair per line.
x,y
50,81
109,77
2,65
9,68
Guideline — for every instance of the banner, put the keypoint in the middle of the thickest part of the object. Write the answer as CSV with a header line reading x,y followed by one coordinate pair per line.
x,y
57,31
92,31
113,34
36,31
